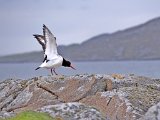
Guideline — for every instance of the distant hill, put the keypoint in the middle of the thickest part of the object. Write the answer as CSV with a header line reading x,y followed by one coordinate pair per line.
x,y
141,42
23,57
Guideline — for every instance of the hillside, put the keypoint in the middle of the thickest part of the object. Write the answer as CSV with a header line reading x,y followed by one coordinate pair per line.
x,y
137,43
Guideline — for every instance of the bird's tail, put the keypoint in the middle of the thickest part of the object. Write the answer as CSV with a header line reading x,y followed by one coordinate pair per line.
x,y
37,68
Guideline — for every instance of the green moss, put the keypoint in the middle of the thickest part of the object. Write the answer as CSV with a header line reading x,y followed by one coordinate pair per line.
x,y
31,115
61,78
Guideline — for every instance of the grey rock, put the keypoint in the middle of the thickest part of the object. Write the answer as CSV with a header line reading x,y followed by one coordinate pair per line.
x,y
73,111
115,96
9,90
21,99
5,114
153,113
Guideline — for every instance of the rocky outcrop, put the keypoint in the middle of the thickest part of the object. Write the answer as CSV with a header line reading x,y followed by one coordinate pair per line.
x,y
73,111
153,113
112,97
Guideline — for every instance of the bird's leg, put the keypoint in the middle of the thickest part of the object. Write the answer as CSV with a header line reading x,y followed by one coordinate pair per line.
x,y
55,71
51,72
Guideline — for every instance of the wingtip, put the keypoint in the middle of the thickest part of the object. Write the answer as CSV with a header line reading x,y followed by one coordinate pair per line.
x,y
37,35
34,35
44,26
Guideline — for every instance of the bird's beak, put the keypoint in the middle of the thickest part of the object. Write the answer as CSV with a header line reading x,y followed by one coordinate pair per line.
x,y
73,67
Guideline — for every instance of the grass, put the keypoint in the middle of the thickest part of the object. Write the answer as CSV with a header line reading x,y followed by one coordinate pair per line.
x,y
31,115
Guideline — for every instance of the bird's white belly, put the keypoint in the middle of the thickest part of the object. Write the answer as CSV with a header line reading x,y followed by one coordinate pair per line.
x,y
51,65
54,63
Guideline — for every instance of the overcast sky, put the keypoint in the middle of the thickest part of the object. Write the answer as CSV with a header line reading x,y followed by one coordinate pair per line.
x,y
71,21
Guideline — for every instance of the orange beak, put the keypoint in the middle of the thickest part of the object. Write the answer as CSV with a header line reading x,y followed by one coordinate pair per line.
x,y
73,67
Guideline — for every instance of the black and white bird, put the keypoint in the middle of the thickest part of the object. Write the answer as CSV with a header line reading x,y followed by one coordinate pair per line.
x,y
52,59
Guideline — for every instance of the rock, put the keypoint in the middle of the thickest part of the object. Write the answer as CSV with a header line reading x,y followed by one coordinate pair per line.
x,y
112,104
72,89
153,113
118,76
116,96
9,90
31,98
5,114
72,111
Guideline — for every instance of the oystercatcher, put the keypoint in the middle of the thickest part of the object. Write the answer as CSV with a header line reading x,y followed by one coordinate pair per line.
x,y
52,59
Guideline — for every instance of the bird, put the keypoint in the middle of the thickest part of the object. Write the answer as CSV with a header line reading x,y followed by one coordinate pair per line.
x,y
52,59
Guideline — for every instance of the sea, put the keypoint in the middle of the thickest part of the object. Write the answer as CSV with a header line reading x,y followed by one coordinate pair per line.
x,y
27,70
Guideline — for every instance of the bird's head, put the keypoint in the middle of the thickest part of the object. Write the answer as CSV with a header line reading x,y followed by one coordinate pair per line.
x,y
66,63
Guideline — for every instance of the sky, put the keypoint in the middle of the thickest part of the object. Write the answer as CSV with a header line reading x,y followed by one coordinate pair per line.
x,y
71,21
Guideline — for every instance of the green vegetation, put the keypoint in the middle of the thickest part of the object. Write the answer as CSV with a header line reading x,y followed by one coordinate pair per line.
x,y
31,115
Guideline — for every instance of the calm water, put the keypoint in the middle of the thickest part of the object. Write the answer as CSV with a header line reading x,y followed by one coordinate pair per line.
x,y
27,70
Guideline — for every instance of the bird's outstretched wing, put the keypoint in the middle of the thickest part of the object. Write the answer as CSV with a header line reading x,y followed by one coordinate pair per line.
x,y
41,40
51,45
